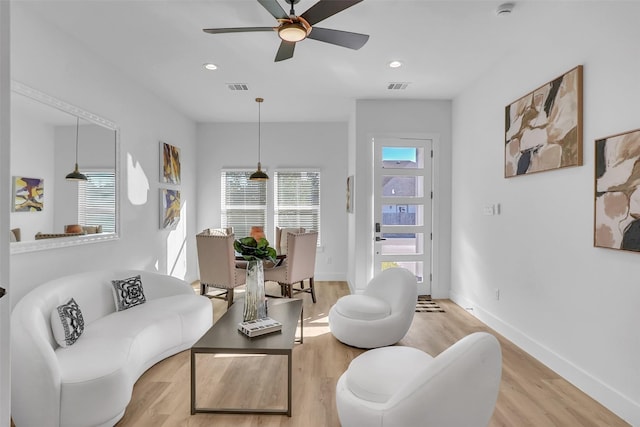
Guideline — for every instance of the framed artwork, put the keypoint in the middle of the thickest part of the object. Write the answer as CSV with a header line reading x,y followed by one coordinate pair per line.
x,y
169,164
350,194
28,194
617,192
169,208
543,129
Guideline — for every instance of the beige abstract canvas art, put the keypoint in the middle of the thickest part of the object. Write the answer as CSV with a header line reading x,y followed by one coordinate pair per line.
x,y
617,192
543,129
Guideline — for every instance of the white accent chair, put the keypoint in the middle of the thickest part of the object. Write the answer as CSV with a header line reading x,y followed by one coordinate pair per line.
x,y
381,315
405,387
217,265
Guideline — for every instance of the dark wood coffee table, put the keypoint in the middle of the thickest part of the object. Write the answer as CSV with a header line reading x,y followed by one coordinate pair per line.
x,y
224,337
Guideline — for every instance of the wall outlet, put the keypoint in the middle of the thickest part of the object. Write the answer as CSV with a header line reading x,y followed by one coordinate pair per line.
x,y
497,294
329,260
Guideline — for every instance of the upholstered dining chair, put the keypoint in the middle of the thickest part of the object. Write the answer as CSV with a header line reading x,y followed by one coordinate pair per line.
x,y
217,264
404,386
298,266
281,237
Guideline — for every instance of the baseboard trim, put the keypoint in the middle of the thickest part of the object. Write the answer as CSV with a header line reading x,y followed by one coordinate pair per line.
x,y
612,399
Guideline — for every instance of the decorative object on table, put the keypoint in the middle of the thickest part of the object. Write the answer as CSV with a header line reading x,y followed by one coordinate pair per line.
x,y
76,175
543,129
259,175
350,194
255,252
257,232
254,328
617,192
28,194
169,164
169,208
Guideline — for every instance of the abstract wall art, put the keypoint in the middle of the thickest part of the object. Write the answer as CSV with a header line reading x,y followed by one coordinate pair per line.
x,y
169,164
28,194
169,208
543,129
617,192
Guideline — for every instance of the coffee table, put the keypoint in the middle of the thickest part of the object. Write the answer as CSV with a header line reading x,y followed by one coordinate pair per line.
x,y
224,337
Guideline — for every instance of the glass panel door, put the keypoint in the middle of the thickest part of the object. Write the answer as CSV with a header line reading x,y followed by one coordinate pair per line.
x,y
402,207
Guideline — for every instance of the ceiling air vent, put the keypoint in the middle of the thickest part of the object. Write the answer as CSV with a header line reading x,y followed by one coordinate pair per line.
x,y
397,85
237,86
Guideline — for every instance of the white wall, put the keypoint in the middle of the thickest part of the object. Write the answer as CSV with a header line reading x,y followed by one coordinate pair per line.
x,y
32,152
400,118
569,304
284,145
77,75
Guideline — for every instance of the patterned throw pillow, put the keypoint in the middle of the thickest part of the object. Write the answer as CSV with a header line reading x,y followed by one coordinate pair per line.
x,y
128,293
67,323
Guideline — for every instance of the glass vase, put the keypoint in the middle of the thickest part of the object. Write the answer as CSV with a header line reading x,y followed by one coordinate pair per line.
x,y
254,297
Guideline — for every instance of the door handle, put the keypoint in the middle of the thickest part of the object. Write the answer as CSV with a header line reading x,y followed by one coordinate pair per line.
x,y
378,238
3,291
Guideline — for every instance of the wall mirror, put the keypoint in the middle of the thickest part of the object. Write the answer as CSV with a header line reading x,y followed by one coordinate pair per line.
x,y
47,210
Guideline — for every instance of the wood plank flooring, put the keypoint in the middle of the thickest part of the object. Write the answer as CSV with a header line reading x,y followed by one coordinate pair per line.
x,y
530,393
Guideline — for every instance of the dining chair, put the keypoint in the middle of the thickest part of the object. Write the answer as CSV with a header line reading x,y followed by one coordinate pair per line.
x,y
298,266
217,264
281,244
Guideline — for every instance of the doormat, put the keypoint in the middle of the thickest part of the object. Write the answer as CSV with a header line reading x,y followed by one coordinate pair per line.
x,y
427,305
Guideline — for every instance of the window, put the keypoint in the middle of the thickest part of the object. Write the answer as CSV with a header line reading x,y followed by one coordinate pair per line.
x,y
243,202
97,200
297,199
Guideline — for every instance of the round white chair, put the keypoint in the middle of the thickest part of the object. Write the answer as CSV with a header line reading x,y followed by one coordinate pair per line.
x,y
381,315
402,386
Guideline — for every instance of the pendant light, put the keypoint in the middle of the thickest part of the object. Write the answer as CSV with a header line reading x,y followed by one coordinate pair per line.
x,y
258,175
76,175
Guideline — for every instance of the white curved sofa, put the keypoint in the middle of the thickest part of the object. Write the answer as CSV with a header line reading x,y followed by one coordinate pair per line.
x,y
90,382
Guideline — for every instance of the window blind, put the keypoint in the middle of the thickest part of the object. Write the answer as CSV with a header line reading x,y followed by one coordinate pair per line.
x,y
97,200
243,202
297,199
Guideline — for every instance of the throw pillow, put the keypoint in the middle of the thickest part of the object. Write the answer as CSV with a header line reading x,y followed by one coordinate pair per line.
x,y
128,293
67,323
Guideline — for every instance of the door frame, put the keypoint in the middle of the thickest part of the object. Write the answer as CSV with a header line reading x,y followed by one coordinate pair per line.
x,y
436,237
5,137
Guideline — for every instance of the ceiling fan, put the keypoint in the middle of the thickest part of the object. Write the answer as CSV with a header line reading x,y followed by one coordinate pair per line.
x,y
292,28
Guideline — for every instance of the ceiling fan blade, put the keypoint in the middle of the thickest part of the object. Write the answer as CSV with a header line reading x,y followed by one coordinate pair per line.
x,y
340,38
326,8
274,8
236,30
285,51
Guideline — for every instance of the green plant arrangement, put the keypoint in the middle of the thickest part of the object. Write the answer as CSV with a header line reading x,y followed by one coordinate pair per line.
x,y
252,249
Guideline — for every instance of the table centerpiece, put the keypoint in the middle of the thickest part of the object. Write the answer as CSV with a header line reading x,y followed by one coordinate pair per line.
x,y
255,252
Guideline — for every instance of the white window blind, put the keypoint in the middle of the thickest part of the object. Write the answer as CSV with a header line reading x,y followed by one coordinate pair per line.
x,y
243,202
297,199
97,200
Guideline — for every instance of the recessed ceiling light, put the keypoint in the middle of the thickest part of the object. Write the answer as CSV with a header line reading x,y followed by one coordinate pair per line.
x,y
395,64
209,66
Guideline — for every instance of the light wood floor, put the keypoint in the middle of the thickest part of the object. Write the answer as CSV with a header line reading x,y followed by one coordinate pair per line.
x,y
530,393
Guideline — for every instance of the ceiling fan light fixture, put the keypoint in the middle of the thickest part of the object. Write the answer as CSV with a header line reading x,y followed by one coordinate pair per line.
x,y
292,32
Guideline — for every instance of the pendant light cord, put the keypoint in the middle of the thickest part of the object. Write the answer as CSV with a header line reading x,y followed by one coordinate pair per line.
x,y
77,132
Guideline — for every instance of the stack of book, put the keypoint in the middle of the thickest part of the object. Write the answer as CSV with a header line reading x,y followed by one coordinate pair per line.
x,y
254,328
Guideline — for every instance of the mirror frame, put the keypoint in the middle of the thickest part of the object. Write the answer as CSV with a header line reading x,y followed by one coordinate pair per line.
x,y
63,242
